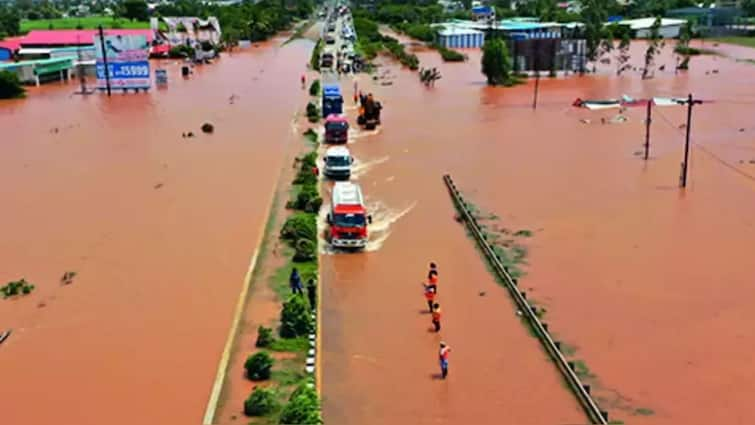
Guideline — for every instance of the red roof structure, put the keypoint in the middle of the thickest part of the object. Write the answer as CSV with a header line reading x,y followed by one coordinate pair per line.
x,y
11,43
53,38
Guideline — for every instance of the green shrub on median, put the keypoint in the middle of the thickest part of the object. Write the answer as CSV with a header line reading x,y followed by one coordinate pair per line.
x,y
258,366
303,407
295,318
314,89
264,337
261,402
299,226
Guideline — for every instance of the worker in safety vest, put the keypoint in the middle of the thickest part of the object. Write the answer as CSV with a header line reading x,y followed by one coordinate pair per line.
x,y
432,276
436,317
443,357
429,296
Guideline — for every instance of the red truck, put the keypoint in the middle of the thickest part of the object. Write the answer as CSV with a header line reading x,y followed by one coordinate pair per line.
x,y
336,129
348,218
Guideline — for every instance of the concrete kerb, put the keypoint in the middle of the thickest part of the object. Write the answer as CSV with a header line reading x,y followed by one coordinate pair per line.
x,y
580,390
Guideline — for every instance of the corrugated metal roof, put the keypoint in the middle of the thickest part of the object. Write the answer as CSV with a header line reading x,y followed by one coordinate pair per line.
x,y
40,62
74,37
646,23
11,43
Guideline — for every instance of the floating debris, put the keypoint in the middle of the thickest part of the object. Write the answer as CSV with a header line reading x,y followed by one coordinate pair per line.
x,y
208,128
158,186
67,278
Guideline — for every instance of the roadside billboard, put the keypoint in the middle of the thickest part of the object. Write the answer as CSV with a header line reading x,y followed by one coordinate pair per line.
x,y
128,61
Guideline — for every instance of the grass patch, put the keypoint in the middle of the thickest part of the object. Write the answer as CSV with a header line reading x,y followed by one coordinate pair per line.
x,y
300,30
741,41
311,136
694,51
568,350
279,280
616,422
523,233
292,345
642,411
290,375
88,22
581,369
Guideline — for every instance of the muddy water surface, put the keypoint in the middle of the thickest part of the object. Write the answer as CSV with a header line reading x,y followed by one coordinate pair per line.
x,y
159,228
650,283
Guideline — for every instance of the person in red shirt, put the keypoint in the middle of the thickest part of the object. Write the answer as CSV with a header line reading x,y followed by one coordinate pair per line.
x,y
432,276
429,296
443,357
436,317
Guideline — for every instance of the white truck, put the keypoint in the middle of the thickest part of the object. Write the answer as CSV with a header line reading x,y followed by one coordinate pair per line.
x,y
338,162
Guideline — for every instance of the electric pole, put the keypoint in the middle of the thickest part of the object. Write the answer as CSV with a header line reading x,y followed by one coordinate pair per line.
x,y
690,102
104,59
537,83
647,129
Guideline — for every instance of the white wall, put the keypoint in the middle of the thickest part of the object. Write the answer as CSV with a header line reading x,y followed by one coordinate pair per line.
x,y
668,31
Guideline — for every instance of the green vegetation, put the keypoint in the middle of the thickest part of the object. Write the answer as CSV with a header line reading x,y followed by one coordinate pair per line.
x,y
622,60
742,41
581,369
10,19
496,63
261,401
264,337
303,407
10,86
313,113
397,50
311,135
19,287
314,89
293,345
655,44
296,318
314,60
298,226
258,366
88,22
181,51
371,42
447,54
644,411
423,32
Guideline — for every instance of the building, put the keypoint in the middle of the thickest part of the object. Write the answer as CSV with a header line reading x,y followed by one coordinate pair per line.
x,y
451,6
41,70
462,38
188,29
521,28
73,38
711,20
9,47
641,28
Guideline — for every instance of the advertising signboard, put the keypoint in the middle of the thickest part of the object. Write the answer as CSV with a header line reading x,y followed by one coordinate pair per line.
x,y
128,61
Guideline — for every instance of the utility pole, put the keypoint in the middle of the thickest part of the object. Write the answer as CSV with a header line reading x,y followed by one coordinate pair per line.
x,y
104,59
647,129
690,102
537,83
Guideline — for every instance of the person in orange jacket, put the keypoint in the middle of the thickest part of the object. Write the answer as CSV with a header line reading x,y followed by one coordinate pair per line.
x,y
429,296
436,317
432,276
443,357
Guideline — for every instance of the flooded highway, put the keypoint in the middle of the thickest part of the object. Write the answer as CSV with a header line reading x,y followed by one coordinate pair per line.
x,y
159,229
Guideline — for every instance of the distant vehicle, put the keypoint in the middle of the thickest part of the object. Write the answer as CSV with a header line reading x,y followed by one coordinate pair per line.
x,y
331,27
348,217
338,162
332,100
329,39
326,60
336,129
369,112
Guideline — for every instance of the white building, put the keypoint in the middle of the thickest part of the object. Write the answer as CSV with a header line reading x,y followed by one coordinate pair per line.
x,y
670,28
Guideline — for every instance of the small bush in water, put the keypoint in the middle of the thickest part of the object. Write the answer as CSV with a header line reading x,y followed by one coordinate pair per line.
x,y
299,226
306,250
314,89
258,366
260,402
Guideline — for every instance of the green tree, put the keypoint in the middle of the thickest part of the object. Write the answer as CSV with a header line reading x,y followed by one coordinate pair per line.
x,y
655,44
135,10
748,7
594,15
260,402
496,63
622,59
10,20
682,48
10,86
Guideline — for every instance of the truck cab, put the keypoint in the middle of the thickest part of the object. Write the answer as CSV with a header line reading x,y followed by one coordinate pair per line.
x,y
332,101
348,218
338,162
336,129
326,60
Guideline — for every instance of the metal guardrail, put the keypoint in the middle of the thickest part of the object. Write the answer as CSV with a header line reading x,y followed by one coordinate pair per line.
x,y
580,390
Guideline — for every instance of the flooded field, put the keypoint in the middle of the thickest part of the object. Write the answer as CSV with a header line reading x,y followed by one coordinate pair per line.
x,y
159,229
649,284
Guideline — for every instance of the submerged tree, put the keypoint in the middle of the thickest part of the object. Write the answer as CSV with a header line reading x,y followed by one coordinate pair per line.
x,y
682,48
655,44
594,15
622,59
10,86
496,62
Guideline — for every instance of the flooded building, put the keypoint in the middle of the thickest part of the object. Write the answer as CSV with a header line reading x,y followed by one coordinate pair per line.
x,y
41,70
9,47
187,29
642,28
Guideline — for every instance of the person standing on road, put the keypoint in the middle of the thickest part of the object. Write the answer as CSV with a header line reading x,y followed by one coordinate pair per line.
x,y
429,296
436,317
443,357
303,81
432,277
312,294
295,282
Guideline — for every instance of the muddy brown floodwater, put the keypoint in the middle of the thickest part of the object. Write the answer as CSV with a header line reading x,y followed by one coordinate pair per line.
x,y
160,230
650,284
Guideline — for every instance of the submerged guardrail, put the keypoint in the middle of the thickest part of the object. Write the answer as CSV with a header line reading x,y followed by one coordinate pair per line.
x,y
580,390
